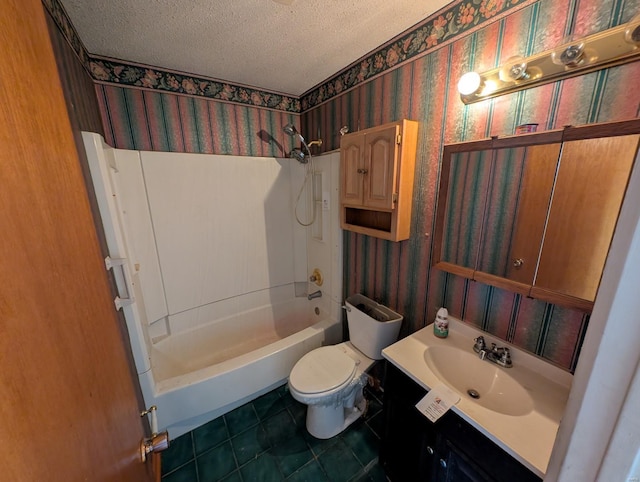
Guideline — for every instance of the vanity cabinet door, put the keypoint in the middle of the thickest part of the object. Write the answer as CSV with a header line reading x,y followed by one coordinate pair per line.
x,y
407,451
454,466
590,186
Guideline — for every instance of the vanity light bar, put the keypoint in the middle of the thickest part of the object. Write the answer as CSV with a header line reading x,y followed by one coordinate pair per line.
x,y
604,49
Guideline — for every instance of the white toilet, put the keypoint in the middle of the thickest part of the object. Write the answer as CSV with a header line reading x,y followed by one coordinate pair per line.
x,y
330,379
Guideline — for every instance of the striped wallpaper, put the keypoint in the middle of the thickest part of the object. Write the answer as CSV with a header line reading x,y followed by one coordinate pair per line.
x,y
155,121
399,274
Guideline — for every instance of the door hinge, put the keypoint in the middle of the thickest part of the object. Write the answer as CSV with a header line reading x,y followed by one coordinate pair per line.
x,y
394,198
399,139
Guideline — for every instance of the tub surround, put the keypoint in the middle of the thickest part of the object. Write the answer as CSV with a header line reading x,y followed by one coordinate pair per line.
x,y
216,309
529,436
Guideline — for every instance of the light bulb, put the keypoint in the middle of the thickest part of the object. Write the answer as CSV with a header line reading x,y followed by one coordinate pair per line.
x,y
469,83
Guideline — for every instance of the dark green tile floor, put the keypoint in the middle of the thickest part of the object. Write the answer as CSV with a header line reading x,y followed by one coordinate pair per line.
x,y
266,440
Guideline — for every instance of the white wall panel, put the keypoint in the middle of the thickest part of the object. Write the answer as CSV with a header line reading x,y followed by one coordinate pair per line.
x,y
222,225
131,196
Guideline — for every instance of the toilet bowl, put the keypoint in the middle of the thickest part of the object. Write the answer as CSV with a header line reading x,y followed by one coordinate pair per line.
x,y
330,379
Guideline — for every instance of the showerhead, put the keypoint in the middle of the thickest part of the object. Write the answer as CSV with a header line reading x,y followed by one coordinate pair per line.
x,y
297,154
291,130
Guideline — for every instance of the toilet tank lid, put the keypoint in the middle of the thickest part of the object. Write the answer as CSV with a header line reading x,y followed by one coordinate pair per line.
x,y
322,369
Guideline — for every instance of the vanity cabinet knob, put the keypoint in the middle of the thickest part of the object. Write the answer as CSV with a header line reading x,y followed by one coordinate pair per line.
x,y
429,450
362,171
443,463
517,263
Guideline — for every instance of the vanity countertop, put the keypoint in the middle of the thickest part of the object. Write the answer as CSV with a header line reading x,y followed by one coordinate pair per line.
x,y
529,438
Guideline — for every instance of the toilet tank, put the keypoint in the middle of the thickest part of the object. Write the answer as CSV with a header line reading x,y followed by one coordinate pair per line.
x,y
372,326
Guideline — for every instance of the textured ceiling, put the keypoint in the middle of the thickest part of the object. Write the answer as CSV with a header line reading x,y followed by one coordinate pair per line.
x,y
288,46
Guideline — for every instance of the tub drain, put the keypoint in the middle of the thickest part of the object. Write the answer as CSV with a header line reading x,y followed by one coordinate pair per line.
x,y
473,393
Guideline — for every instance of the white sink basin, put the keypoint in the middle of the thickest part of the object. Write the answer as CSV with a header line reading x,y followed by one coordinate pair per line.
x,y
481,381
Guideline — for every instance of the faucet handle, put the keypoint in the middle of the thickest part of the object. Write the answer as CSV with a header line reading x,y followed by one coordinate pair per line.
x,y
479,344
506,355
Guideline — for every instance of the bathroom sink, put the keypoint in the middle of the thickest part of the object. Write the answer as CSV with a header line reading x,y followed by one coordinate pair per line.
x,y
484,382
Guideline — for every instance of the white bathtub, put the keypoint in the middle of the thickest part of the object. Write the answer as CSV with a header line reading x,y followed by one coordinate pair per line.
x,y
200,374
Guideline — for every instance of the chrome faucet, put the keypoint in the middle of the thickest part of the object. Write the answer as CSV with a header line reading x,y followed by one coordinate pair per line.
x,y
315,294
498,355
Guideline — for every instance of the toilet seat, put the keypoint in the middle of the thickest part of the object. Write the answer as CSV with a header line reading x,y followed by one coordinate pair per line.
x,y
322,370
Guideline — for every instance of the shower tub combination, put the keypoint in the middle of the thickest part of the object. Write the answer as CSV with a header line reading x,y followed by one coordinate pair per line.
x,y
207,285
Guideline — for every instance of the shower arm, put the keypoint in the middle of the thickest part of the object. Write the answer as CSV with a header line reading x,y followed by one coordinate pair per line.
x,y
316,143
308,145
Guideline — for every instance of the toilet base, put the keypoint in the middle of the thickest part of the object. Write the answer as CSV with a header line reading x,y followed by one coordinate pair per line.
x,y
324,422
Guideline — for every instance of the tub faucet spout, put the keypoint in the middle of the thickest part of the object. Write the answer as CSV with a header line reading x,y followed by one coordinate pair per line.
x,y
315,294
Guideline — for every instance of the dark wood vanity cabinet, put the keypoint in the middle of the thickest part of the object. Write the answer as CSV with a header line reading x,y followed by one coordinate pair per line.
x,y
450,450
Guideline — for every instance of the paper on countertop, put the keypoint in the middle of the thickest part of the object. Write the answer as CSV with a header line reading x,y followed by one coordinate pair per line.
x,y
437,402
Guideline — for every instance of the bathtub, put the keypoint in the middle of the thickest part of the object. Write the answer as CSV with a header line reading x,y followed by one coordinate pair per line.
x,y
200,374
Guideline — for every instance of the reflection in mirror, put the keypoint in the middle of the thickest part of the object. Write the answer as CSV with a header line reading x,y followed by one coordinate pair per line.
x,y
468,183
507,169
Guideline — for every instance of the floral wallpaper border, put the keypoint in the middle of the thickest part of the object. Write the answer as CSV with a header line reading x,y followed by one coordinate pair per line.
x,y
63,22
436,31
459,18
111,71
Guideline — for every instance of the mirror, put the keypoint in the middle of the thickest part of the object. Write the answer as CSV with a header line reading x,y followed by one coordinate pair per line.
x,y
469,177
533,214
501,206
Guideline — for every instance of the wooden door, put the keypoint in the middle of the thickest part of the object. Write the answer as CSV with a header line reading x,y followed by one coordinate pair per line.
x,y
68,407
537,184
590,186
381,157
352,162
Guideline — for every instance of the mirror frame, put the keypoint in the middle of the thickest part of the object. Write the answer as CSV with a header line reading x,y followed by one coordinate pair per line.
x,y
568,133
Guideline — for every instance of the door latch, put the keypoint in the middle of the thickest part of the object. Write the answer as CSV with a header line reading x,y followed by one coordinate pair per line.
x,y
158,441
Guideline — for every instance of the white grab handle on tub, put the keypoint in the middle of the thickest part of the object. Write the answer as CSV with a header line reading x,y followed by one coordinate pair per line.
x,y
345,307
110,264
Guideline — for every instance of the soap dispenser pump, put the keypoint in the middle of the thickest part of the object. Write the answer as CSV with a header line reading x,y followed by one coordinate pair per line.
x,y
441,325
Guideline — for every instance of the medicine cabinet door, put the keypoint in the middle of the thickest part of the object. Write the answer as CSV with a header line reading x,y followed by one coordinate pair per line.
x,y
592,179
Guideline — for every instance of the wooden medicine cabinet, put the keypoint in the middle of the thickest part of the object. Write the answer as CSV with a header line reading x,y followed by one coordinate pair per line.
x,y
535,214
376,180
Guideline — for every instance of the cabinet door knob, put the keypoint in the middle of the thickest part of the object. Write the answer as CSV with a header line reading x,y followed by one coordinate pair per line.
x,y
518,262
443,463
362,171
429,450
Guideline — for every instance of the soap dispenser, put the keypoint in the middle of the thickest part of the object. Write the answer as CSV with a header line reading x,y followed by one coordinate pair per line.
x,y
441,325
